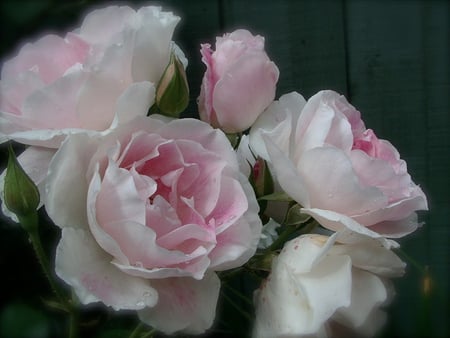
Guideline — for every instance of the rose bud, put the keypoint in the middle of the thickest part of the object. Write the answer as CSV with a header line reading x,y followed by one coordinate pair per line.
x,y
239,82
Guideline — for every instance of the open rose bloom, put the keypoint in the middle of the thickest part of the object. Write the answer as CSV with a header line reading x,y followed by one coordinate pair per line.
x,y
98,76
323,157
148,213
106,69
318,287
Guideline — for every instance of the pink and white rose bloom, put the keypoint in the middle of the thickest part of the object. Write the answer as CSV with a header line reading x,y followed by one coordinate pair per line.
x,y
148,212
317,285
100,75
239,82
323,157
106,69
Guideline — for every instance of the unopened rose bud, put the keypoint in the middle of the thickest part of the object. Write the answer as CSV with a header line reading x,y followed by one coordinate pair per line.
x,y
172,94
20,193
261,179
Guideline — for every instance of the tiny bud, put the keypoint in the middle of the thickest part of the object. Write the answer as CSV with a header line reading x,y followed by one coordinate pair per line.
x,y
172,94
20,193
261,179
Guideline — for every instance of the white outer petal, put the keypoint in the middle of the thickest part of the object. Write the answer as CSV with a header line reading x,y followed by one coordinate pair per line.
x,y
297,299
66,187
184,304
81,263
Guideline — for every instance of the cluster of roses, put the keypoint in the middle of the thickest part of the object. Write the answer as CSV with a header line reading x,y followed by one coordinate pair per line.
x,y
152,207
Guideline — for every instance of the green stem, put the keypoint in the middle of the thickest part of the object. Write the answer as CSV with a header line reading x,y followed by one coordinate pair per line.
x,y
136,331
238,308
149,334
238,294
282,238
411,260
30,222
73,324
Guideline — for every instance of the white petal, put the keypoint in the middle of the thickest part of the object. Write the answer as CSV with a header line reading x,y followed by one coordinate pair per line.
x,y
184,304
371,255
135,101
81,263
286,174
368,292
66,187
298,300
152,43
276,122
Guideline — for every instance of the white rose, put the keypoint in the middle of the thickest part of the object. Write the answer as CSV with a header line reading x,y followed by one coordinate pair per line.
x,y
316,281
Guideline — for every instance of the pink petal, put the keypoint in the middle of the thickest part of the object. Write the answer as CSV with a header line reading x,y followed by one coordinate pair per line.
x,y
257,77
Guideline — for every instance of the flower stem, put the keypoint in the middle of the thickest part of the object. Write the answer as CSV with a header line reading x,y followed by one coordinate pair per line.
x,y
238,294
73,323
136,331
237,307
31,223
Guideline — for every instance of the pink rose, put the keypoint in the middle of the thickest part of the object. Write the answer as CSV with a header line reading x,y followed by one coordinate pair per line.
x,y
104,71
344,176
239,82
148,213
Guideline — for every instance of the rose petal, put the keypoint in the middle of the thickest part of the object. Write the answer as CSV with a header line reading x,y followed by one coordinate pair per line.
x,y
368,292
277,122
135,101
257,76
299,302
184,304
152,43
66,187
87,268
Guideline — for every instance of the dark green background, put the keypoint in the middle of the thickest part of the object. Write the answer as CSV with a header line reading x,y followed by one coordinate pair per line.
x,y
390,58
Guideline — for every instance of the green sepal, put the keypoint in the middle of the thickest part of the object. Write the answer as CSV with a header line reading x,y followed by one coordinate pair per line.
x,y
295,216
172,94
21,195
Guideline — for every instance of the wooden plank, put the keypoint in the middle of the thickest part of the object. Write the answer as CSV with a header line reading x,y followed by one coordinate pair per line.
x,y
304,38
398,75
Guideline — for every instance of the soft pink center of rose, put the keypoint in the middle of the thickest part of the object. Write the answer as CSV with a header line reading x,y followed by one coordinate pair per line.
x,y
372,146
366,142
